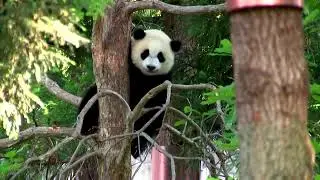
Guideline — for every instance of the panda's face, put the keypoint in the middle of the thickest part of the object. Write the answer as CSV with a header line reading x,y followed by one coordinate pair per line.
x,y
152,52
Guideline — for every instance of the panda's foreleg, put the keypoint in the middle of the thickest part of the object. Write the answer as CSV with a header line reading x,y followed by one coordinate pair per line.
x,y
90,123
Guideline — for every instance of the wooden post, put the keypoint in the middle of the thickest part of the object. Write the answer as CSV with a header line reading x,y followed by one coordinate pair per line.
x,y
271,89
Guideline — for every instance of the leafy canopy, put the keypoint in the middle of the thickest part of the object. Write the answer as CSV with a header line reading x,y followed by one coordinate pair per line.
x,y
31,33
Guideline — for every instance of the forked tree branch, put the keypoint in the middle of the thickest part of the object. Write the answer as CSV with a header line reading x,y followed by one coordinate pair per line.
x,y
174,9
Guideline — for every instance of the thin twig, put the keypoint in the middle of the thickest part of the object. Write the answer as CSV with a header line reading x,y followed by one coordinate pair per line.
x,y
78,171
206,138
42,157
82,159
78,147
180,134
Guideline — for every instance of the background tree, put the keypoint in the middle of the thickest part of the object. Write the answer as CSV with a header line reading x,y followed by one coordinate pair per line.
x,y
272,111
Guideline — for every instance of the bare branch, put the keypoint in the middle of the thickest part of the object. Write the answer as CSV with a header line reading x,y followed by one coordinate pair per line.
x,y
42,157
206,138
182,10
55,89
36,131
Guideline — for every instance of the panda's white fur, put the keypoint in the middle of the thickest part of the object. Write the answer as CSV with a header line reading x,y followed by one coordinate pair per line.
x,y
155,41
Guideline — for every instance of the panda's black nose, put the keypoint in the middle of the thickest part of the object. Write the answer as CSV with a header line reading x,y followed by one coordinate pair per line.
x,y
151,68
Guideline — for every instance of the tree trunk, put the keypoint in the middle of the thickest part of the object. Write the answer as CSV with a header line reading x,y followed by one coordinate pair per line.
x,y
111,36
272,92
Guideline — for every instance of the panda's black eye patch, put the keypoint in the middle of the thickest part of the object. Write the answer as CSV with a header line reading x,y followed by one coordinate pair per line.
x,y
161,57
145,54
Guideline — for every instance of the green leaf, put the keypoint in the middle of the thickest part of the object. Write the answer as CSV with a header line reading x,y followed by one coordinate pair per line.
x,y
226,93
212,178
10,154
179,123
316,145
315,14
187,109
315,92
229,142
225,49
209,113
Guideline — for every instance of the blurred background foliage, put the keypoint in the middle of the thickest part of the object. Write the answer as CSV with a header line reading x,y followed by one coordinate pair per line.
x,y
52,37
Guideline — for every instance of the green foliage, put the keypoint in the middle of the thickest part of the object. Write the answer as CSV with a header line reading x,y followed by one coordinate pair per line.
x,y
31,33
311,11
226,93
311,20
229,142
316,146
94,8
315,92
212,178
56,110
12,161
226,141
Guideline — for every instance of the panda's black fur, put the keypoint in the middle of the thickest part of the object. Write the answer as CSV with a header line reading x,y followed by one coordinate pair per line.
x,y
140,84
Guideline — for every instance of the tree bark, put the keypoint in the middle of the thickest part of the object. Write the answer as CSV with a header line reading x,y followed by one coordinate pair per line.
x,y
111,36
272,91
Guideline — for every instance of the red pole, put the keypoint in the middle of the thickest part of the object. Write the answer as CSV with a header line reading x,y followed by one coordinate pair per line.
x,y
159,165
234,5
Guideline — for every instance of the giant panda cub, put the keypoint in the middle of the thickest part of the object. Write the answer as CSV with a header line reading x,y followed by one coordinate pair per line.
x,y
151,58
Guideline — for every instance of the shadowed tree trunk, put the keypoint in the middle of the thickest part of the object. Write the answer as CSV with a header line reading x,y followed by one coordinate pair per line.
x,y
272,92
111,36
175,26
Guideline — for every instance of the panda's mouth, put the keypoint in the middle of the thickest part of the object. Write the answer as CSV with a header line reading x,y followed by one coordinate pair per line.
x,y
149,72
152,71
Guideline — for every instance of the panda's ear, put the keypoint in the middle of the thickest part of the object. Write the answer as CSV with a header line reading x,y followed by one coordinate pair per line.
x,y
175,45
139,34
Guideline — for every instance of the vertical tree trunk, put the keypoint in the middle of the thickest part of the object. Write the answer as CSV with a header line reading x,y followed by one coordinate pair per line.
x,y
111,36
272,92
